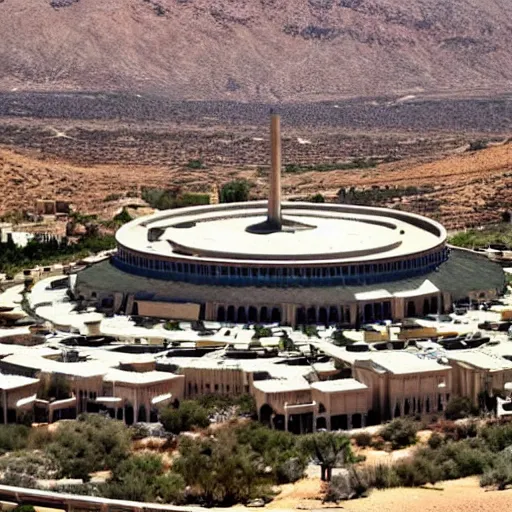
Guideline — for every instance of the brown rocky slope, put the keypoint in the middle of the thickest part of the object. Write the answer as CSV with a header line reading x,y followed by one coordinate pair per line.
x,y
263,50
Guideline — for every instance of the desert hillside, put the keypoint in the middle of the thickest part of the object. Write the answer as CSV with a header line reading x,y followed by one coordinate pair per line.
x,y
462,190
257,50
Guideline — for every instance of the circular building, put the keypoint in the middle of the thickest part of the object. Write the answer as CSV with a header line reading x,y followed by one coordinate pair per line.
x,y
288,262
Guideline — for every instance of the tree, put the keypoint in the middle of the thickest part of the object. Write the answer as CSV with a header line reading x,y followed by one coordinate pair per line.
x,y
329,451
235,191
189,415
221,471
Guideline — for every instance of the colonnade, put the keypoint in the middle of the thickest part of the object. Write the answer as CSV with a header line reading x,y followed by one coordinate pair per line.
x,y
419,405
252,314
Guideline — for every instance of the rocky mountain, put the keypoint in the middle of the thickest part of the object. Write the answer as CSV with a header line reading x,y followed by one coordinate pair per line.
x,y
257,50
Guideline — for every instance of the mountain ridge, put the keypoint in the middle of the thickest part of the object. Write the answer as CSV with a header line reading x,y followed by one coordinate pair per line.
x,y
257,50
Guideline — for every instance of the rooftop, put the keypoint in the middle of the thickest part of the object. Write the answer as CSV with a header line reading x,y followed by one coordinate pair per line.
x,y
154,377
282,386
8,382
335,232
338,386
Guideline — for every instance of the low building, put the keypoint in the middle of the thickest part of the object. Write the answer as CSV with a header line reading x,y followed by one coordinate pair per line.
x,y
17,395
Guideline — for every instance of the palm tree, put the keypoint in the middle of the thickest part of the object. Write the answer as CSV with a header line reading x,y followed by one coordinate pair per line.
x,y
331,451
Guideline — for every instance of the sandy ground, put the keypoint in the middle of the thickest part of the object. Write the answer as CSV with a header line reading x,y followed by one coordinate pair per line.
x,y
459,495
463,495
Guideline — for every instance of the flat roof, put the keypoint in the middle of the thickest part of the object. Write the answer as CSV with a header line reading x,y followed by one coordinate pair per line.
x,y
220,233
154,377
282,386
34,362
9,382
400,362
338,386
480,359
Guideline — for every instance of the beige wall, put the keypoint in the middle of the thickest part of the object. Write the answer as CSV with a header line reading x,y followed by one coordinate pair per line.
x,y
343,402
142,394
222,381
471,381
171,310
13,395
278,400
388,389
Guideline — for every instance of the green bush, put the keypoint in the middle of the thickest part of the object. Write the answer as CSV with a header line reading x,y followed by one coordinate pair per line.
x,y
189,415
400,433
172,325
235,191
143,478
261,332
317,198
27,467
499,475
459,407
418,471
245,404
458,459
435,440
496,234
385,477
123,217
23,508
497,437
92,443
363,439
13,437
221,471
195,164
39,252
276,448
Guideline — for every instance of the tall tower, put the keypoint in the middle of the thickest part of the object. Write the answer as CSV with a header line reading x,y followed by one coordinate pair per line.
x,y
274,218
